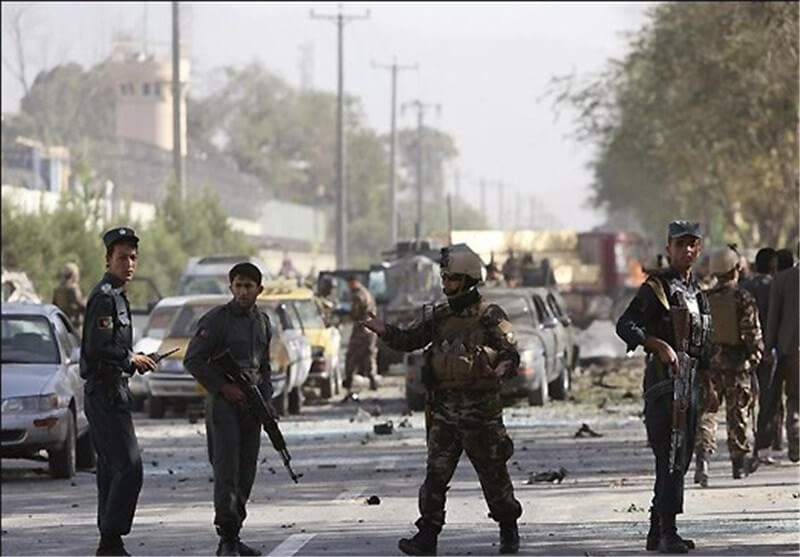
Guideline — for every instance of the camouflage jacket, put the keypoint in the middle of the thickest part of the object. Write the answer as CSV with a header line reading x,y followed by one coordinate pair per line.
x,y
494,333
747,354
363,304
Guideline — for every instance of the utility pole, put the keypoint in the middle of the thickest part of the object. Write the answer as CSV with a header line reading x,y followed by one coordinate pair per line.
x,y
483,201
533,212
421,107
394,67
517,211
500,187
177,151
341,188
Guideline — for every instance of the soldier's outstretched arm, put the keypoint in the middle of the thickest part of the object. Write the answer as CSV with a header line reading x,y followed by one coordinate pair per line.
x,y
417,336
202,347
101,341
501,337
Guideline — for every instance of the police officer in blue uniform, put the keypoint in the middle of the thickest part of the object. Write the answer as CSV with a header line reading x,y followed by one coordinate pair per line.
x,y
106,362
233,432
648,322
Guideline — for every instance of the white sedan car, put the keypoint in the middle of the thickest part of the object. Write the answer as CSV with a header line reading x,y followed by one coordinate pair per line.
x,y
42,406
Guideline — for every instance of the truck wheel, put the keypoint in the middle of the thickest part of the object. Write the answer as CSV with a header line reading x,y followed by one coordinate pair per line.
x,y
559,388
329,385
62,461
295,400
540,396
155,407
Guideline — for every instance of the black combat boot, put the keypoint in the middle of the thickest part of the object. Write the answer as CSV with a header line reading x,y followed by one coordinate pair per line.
x,y
423,542
670,542
245,549
111,545
737,465
654,533
228,546
509,537
701,468
228,540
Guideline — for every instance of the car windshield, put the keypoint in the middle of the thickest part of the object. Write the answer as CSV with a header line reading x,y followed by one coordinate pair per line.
x,y
160,319
186,322
516,309
28,339
309,314
203,285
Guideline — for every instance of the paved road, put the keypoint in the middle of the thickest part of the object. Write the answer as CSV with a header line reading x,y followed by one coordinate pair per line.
x,y
599,509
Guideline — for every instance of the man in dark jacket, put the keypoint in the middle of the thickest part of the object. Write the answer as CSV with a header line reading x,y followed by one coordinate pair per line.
x,y
106,361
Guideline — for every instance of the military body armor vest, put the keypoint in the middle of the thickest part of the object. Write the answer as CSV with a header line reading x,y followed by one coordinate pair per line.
x,y
724,314
679,298
459,356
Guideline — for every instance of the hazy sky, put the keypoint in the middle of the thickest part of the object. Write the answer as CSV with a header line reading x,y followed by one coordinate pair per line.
x,y
486,63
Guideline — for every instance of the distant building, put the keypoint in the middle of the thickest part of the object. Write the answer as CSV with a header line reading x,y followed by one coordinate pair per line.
x,y
29,164
143,85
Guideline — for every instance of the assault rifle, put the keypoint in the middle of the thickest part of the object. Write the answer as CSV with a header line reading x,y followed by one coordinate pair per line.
x,y
682,382
258,405
156,357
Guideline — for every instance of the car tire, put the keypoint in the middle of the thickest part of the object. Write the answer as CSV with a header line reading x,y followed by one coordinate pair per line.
x,y
415,401
559,389
540,396
328,387
295,400
155,407
180,406
85,455
62,461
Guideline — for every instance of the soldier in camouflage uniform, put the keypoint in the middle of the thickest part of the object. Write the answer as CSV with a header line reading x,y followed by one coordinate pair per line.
x,y
362,350
737,346
67,295
471,349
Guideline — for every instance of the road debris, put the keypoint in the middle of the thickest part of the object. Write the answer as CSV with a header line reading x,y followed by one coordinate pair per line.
x,y
386,428
586,431
556,476
373,500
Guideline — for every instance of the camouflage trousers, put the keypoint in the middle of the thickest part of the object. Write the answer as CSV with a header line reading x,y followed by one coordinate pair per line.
x,y
362,357
471,423
734,388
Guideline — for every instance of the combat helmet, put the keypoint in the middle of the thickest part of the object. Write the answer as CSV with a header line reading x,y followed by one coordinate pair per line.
x,y
723,260
459,259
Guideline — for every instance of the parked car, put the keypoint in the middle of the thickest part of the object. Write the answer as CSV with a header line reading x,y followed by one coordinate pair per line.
x,y
143,295
155,329
561,341
209,274
325,368
171,384
534,344
43,403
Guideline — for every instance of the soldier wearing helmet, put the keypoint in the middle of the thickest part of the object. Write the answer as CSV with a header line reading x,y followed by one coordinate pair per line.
x,y
470,351
67,295
737,347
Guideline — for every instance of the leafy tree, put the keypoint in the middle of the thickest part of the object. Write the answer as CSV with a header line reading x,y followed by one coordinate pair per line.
x,y
699,120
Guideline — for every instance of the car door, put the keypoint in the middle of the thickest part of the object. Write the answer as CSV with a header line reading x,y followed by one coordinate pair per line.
x,y
292,334
547,324
69,345
558,308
